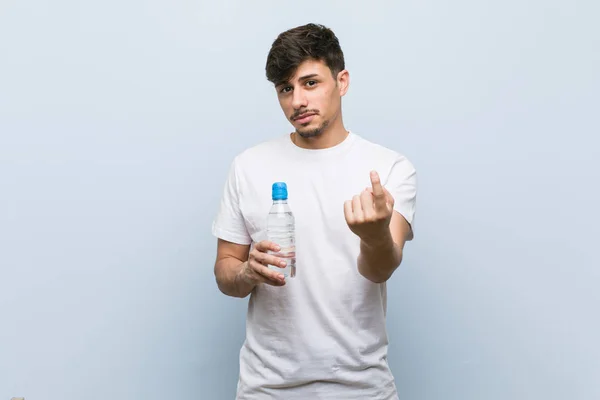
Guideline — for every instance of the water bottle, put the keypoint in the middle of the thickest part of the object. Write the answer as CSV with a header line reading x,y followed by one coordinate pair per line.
x,y
281,230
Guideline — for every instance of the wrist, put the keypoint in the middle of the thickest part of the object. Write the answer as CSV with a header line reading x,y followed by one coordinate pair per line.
x,y
380,242
242,274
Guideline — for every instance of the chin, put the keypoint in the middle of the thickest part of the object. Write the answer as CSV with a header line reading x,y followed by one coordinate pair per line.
x,y
309,132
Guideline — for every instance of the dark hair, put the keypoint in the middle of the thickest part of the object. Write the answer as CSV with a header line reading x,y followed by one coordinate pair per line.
x,y
296,45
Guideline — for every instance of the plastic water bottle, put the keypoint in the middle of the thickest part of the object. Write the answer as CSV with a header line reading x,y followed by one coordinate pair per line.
x,y
281,230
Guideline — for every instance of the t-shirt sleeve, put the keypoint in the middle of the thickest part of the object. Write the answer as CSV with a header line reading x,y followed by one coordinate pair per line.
x,y
229,222
402,185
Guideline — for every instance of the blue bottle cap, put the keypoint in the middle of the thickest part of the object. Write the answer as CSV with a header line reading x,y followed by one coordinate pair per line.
x,y
279,191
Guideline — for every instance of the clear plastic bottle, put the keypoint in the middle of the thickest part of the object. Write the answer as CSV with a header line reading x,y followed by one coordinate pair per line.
x,y
281,230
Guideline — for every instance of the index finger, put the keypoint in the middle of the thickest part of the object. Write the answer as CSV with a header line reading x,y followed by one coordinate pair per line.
x,y
265,245
377,189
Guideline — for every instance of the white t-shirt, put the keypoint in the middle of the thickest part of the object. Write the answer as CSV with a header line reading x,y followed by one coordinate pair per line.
x,y
322,335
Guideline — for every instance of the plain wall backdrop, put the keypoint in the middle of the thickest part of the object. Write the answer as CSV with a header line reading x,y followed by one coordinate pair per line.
x,y
118,121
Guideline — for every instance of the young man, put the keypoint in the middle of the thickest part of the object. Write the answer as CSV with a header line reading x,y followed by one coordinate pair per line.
x,y
320,334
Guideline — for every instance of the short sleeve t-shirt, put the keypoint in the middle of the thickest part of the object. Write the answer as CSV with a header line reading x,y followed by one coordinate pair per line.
x,y
322,335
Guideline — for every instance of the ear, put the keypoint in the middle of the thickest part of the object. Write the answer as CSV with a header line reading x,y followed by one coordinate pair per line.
x,y
343,81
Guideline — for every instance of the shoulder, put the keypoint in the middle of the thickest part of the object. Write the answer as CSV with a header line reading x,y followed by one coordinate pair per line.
x,y
376,151
254,154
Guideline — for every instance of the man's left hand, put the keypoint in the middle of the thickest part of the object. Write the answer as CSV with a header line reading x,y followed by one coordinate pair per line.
x,y
368,214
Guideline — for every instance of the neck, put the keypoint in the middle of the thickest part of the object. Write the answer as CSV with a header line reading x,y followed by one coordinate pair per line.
x,y
333,135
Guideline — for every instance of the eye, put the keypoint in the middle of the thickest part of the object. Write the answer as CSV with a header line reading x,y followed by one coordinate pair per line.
x,y
311,83
285,89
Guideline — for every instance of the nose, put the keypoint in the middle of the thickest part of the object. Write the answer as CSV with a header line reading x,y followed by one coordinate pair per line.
x,y
298,99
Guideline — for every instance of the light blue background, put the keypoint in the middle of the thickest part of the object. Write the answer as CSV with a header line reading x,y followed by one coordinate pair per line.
x,y
118,121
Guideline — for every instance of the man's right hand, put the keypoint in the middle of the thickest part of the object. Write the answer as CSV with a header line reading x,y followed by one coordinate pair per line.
x,y
255,270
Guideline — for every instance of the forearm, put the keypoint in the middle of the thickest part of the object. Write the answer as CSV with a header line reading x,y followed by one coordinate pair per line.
x,y
228,272
378,260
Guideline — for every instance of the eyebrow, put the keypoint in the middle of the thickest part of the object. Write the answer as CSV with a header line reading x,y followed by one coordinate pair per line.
x,y
302,78
307,77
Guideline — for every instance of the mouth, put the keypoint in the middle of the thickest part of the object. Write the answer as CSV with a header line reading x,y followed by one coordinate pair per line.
x,y
304,118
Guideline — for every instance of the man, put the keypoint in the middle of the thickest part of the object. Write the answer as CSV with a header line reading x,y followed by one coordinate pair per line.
x,y
320,334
